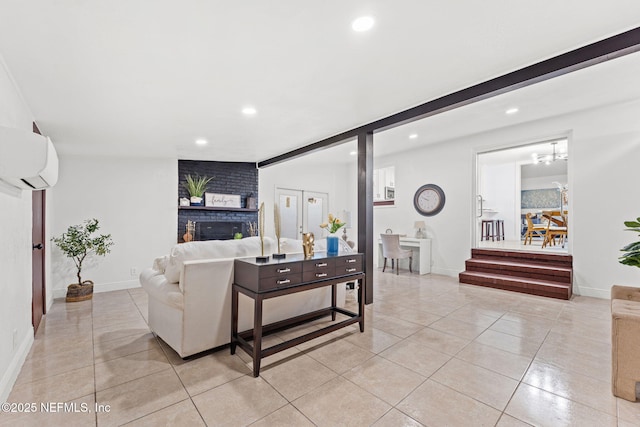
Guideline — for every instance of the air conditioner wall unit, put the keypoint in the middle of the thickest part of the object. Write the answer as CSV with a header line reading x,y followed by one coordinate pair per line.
x,y
27,160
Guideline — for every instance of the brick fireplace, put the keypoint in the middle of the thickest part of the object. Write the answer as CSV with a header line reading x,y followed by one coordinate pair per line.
x,y
239,178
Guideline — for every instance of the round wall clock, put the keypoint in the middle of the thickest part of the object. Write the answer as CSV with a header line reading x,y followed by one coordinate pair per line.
x,y
429,200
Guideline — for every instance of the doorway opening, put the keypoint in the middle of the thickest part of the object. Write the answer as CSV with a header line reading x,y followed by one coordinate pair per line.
x,y
522,198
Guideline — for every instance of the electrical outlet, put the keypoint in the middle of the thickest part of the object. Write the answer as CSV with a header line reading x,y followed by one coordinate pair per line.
x,y
134,271
15,338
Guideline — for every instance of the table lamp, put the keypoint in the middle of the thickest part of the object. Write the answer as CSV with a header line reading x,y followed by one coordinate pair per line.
x,y
420,225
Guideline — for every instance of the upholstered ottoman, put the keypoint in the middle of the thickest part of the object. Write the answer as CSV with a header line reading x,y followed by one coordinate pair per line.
x,y
625,341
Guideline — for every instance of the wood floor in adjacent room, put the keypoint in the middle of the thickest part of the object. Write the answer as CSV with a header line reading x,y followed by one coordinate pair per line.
x,y
434,353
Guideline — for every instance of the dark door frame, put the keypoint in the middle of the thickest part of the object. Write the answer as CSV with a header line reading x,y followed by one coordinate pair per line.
x,y
39,291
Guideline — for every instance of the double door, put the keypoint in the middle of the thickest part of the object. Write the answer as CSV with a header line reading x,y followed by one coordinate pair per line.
x,y
301,211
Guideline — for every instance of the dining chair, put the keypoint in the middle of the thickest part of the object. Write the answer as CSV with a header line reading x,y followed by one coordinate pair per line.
x,y
533,229
556,231
391,249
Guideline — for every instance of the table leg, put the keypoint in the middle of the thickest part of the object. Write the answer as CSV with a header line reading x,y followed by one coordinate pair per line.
x,y
234,318
257,335
333,302
361,303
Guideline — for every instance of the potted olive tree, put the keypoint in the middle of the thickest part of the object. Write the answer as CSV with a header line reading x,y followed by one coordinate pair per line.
x,y
631,254
77,243
196,188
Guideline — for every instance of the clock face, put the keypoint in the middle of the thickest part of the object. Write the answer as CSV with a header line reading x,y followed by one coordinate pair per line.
x,y
429,200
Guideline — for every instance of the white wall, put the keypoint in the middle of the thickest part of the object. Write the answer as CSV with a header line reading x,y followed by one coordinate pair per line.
x,y
449,166
543,182
338,180
604,151
498,187
134,199
15,250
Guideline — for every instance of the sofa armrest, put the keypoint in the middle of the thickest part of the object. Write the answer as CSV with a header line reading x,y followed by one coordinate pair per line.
x,y
625,293
206,287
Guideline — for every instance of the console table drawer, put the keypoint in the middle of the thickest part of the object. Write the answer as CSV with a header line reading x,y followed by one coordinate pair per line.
x,y
280,270
265,277
318,269
348,264
269,283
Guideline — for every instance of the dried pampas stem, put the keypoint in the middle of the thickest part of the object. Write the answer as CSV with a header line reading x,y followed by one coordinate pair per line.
x,y
276,223
261,227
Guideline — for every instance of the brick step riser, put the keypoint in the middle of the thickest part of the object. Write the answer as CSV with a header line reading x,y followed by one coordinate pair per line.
x,y
555,276
499,259
553,292
519,289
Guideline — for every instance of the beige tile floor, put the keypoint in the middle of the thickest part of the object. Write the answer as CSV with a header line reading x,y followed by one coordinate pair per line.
x,y
434,353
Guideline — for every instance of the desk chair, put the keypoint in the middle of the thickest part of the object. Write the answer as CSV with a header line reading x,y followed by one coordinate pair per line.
x,y
391,249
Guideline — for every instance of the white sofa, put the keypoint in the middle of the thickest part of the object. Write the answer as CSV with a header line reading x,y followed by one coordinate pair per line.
x,y
190,293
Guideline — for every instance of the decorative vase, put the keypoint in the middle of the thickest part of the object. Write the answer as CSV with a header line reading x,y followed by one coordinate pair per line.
x,y
332,244
196,201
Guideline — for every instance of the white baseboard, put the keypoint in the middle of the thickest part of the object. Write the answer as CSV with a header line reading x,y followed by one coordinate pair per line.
x,y
103,287
445,272
591,292
11,374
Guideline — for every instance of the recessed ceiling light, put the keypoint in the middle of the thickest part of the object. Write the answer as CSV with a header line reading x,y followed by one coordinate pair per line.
x,y
512,110
201,141
353,153
364,23
413,136
249,111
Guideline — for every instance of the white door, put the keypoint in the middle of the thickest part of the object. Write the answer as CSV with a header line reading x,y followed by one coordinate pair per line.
x,y
315,213
301,212
290,205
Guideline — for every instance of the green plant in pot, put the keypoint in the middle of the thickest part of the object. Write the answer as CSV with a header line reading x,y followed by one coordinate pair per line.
x,y
77,243
631,254
196,188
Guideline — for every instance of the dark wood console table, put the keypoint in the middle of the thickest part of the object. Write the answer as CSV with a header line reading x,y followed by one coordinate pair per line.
x,y
264,280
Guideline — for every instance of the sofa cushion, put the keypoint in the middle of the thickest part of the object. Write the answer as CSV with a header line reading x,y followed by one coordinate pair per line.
x,y
159,288
213,249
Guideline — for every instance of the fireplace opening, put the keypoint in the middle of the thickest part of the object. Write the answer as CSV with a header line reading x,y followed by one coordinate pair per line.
x,y
219,230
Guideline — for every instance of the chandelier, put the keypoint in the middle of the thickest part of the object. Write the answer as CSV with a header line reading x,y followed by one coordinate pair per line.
x,y
548,158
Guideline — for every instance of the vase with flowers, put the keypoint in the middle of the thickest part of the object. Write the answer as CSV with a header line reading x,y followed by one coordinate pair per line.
x,y
332,226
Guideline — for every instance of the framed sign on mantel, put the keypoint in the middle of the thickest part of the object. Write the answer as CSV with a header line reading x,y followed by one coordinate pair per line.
x,y
222,200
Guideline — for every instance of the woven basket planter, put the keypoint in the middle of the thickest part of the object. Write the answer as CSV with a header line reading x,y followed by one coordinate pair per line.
x,y
76,292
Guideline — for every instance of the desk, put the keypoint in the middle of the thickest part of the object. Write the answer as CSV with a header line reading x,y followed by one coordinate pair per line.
x,y
421,261
260,281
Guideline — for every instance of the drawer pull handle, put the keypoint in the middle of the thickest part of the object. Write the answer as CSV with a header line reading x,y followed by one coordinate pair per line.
x,y
351,260
321,274
284,281
351,270
321,264
284,270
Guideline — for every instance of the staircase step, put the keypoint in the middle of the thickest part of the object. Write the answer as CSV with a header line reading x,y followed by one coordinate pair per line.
x,y
539,258
520,269
547,288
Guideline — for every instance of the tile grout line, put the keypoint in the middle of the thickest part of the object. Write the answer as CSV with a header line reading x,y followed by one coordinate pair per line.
x,y
162,349
93,350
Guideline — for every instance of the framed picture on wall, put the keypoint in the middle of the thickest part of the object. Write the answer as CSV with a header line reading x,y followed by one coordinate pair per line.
x,y
389,193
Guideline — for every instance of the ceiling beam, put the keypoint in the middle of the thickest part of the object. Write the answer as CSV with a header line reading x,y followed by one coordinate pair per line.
x,y
586,56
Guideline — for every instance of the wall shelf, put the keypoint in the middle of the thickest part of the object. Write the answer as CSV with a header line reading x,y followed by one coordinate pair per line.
x,y
212,208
